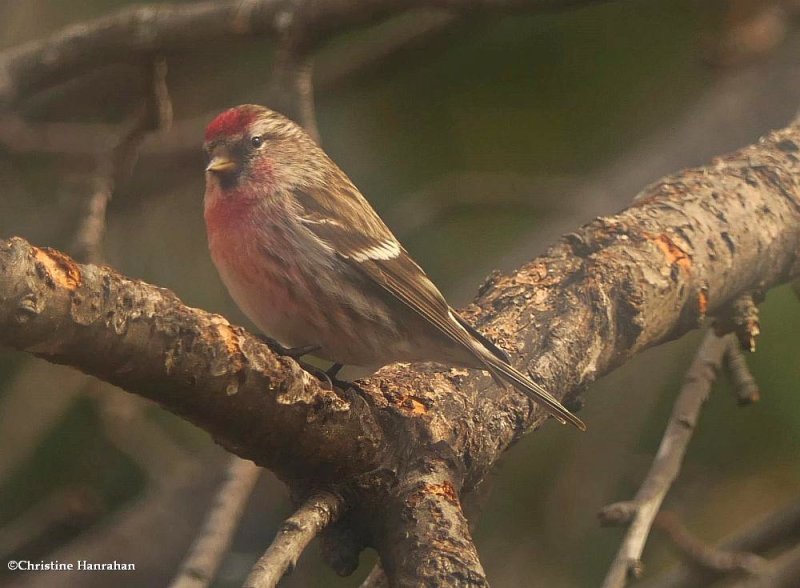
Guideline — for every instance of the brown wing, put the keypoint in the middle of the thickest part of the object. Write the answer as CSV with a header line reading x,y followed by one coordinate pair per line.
x,y
369,246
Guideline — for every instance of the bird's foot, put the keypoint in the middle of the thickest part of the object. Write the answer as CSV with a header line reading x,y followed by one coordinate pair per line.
x,y
293,352
325,376
333,371
318,373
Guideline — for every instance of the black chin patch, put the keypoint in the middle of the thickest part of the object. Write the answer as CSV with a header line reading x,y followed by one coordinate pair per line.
x,y
230,179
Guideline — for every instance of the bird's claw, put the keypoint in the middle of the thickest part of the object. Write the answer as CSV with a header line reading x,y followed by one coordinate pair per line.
x,y
318,373
333,371
293,352
325,376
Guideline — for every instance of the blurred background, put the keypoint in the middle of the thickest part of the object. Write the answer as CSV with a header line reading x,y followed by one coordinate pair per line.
x,y
480,141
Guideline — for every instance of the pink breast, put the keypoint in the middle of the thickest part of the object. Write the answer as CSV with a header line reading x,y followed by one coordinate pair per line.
x,y
255,262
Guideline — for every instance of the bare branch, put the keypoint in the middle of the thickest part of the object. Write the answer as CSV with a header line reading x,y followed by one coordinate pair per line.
x,y
20,136
777,529
162,514
93,227
292,89
201,565
783,572
641,512
206,363
115,167
744,384
376,578
316,513
425,523
708,557
149,29
613,288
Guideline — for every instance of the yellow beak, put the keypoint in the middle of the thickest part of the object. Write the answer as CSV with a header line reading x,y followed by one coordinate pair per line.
x,y
220,164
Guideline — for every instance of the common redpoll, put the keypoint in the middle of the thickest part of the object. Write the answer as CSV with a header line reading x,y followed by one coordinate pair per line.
x,y
310,262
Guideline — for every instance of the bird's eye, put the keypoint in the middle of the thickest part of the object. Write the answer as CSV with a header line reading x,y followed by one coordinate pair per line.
x,y
257,141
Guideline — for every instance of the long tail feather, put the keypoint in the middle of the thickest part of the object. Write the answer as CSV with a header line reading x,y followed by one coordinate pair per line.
x,y
534,391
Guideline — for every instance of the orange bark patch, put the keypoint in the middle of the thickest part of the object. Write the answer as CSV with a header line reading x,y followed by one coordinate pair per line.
x,y
231,340
62,270
411,404
533,275
672,253
445,490
702,302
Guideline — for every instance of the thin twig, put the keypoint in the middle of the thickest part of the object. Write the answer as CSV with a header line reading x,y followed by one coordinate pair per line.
x,y
93,227
18,135
138,435
335,67
317,512
292,87
144,29
116,166
641,511
201,565
783,572
777,529
376,578
708,557
161,514
738,373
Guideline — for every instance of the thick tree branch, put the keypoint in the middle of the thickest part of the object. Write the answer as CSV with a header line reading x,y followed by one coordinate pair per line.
x,y
147,29
141,337
426,524
688,246
20,136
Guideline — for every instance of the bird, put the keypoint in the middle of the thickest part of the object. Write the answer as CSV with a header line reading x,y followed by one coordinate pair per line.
x,y
312,265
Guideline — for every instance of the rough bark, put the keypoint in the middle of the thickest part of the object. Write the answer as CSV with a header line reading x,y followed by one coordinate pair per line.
x,y
401,446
